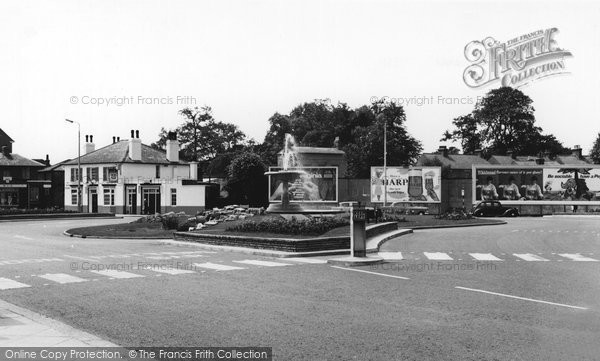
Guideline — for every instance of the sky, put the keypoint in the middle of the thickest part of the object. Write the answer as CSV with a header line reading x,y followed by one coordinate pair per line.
x,y
250,59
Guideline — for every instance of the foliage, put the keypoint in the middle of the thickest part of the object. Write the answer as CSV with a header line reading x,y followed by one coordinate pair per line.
x,y
360,133
502,121
170,222
16,211
595,152
312,226
246,180
202,137
455,214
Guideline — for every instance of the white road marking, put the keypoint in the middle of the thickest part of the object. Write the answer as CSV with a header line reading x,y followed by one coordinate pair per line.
x,y
530,257
438,256
255,262
369,272
392,256
520,298
217,267
62,278
7,284
577,257
23,237
484,257
306,260
117,274
172,271
81,258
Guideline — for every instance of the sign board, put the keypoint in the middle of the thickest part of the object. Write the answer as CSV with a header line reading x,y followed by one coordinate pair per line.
x,y
359,214
571,184
13,185
418,184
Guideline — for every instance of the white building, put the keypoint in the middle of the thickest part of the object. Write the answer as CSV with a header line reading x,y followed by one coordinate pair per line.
x,y
132,178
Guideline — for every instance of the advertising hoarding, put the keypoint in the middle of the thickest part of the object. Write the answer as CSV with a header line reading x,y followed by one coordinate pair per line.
x,y
550,184
319,184
418,184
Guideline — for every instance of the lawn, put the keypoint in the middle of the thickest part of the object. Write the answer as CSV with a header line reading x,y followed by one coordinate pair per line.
x,y
125,230
154,230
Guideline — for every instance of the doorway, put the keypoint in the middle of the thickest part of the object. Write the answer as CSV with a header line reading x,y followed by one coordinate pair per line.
x,y
131,197
150,200
93,200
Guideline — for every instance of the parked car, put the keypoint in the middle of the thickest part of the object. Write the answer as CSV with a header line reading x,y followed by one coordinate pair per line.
x,y
493,209
410,209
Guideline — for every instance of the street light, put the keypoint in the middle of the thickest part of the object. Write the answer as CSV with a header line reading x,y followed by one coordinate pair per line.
x,y
79,206
384,161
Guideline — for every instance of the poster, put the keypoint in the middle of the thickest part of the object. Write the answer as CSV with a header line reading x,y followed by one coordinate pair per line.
x,y
422,184
537,184
318,184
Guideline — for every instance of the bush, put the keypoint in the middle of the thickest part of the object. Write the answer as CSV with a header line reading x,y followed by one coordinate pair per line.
x,y
15,211
313,226
455,214
170,222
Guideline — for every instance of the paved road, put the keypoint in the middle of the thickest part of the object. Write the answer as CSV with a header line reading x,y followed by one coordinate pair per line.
x,y
444,297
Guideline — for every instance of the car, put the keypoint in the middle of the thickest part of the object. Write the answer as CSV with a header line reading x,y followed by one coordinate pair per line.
x,y
494,209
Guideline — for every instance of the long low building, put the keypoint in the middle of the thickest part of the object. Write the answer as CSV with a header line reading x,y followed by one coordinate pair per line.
x,y
133,178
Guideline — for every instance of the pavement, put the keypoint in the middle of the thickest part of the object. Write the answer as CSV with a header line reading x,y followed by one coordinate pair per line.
x,y
527,290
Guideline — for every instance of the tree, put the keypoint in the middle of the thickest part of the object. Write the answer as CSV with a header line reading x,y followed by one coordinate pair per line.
x,y
595,152
502,121
246,182
359,131
202,137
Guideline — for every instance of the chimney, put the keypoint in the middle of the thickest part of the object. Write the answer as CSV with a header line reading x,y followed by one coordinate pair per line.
x,y
576,152
114,140
137,134
89,144
47,160
511,154
194,170
135,148
443,151
132,134
5,150
479,152
173,149
118,139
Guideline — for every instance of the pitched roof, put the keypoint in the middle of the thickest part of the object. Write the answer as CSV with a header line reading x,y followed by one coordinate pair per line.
x,y
3,134
55,166
15,160
455,161
465,161
119,153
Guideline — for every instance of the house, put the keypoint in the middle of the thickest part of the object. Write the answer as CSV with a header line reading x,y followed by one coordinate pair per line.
x,y
133,178
21,186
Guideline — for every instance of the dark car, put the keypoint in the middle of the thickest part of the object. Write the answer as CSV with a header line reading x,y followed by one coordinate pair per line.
x,y
494,209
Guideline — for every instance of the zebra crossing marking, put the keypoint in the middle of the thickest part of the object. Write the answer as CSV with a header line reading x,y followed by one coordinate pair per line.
x,y
577,257
7,284
217,267
306,260
391,256
484,257
530,257
172,271
62,278
111,273
263,263
438,256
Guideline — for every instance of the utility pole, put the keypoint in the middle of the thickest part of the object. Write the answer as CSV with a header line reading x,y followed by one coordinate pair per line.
x,y
384,161
79,204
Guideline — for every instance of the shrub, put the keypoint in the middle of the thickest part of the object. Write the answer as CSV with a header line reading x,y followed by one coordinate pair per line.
x,y
170,222
455,214
313,226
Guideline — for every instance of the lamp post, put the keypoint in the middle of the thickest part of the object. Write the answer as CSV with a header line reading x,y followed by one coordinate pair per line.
x,y
79,206
384,161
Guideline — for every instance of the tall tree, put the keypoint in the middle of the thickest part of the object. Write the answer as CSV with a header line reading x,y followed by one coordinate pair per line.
x,y
246,181
202,137
595,152
502,121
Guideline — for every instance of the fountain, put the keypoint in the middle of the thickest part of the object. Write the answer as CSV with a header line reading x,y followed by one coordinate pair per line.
x,y
287,175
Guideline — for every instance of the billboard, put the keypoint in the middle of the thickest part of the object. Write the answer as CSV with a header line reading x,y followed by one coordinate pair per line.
x,y
319,184
573,184
419,184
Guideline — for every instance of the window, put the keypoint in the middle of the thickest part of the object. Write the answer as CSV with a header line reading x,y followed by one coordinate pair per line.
x,y
173,196
158,171
109,196
74,174
92,174
74,194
